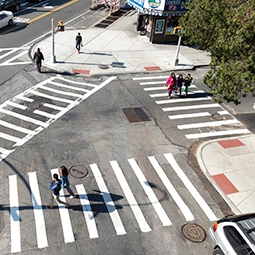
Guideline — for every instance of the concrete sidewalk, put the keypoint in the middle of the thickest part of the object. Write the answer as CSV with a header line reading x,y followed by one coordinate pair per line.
x,y
230,166
119,49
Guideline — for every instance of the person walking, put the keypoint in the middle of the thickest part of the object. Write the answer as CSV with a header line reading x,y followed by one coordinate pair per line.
x,y
179,82
38,57
170,83
55,187
78,41
187,82
65,182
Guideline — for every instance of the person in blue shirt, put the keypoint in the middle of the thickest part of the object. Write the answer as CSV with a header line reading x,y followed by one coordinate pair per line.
x,y
55,187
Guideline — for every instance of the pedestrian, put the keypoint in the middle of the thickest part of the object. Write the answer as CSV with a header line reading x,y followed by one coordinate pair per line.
x,y
187,82
78,41
38,57
170,83
65,182
55,186
179,82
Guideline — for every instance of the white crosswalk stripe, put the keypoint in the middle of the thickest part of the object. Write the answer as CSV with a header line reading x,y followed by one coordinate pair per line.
x,y
65,94
118,224
13,54
64,215
191,109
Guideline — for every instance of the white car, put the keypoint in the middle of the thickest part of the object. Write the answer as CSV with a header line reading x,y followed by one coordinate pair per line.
x,y
234,235
6,18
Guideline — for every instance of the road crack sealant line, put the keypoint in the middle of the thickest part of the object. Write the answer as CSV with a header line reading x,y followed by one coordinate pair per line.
x,y
39,17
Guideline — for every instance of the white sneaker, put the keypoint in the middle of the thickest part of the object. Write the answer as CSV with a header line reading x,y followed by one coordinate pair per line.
x,y
72,197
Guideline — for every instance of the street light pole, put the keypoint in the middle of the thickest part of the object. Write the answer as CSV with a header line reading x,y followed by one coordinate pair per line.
x,y
176,61
53,50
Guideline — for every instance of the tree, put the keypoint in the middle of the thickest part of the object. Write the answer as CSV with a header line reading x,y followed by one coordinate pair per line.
x,y
225,28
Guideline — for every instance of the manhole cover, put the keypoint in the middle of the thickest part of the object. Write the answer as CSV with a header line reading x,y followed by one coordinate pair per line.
x,y
193,232
78,171
217,116
34,105
103,67
136,114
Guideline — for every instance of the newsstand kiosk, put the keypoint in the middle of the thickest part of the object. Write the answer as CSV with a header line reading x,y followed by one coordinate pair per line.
x,y
158,19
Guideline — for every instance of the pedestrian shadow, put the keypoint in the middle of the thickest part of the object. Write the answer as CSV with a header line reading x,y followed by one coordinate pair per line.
x,y
96,53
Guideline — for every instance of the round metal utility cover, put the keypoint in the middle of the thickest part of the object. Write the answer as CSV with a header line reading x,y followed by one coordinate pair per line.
x,y
33,105
78,171
194,232
104,67
217,116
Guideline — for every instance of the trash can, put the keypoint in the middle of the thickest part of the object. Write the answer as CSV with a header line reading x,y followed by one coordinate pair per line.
x,y
61,28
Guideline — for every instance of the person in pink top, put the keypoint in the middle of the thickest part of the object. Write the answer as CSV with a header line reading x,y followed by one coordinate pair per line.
x,y
170,83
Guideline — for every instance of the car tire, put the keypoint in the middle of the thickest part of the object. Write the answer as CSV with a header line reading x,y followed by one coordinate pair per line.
x,y
218,251
17,7
10,23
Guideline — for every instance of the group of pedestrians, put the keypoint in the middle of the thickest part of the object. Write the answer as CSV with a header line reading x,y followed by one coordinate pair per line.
x,y
175,84
57,184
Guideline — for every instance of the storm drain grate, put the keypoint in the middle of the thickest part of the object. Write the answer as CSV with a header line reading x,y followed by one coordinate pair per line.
x,y
136,114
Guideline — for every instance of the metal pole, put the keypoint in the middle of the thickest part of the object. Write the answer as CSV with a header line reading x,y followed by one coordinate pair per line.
x,y
176,62
53,50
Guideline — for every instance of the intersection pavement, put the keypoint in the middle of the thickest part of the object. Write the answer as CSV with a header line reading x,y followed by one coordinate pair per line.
x,y
228,163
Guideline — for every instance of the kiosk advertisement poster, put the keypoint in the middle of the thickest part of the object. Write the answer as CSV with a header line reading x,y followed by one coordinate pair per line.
x,y
175,6
159,28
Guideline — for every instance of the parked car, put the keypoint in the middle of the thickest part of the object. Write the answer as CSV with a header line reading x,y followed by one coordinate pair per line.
x,y
234,235
6,18
13,5
34,0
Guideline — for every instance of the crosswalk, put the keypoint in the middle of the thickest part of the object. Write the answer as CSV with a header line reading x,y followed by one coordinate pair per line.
x,y
13,56
28,113
118,224
194,114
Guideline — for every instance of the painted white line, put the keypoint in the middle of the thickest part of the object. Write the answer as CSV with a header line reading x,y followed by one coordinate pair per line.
x,y
149,78
23,117
50,97
182,100
9,52
130,197
120,230
191,115
45,114
21,97
38,211
19,106
159,94
9,137
149,192
15,57
64,215
208,124
189,107
3,150
174,94
193,191
17,128
14,214
28,137
218,133
176,197
4,153
152,83
154,88
76,82
52,106
68,87
223,112
14,63
87,211
60,92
